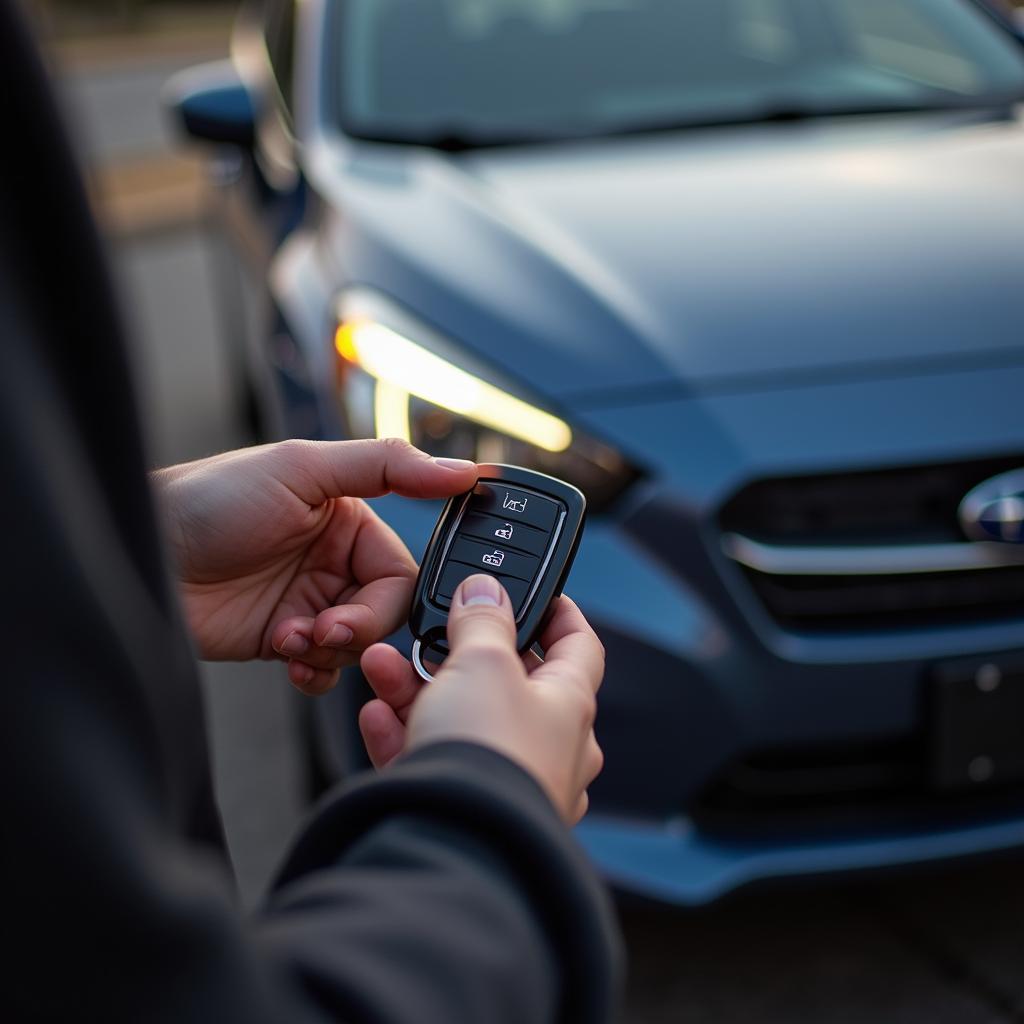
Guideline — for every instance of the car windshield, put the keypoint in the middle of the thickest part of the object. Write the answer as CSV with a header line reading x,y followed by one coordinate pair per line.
x,y
474,72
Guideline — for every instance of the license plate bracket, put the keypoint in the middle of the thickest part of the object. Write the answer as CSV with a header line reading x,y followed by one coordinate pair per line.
x,y
976,724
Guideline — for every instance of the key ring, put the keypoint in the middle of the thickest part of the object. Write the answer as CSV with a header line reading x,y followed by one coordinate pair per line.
x,y
417,661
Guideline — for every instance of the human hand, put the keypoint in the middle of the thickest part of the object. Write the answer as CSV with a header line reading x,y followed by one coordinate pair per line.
x,y
278,556
538,713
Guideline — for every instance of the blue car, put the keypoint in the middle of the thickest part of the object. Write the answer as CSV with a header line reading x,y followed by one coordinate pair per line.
x,y
750,273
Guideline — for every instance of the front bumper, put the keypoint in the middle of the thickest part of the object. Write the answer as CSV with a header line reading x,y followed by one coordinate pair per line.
x,y
675,863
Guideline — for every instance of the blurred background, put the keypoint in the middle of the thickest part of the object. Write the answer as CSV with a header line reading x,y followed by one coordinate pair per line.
x,y
932,944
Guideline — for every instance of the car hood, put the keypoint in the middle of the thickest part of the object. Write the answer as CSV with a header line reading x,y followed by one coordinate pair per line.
x,y
707,259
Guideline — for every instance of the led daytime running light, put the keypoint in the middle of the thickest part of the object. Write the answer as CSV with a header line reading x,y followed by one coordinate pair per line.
x,y
403,368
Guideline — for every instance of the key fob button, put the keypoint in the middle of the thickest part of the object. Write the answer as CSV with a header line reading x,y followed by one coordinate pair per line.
x,y
455,572
505,534
492,558
516,506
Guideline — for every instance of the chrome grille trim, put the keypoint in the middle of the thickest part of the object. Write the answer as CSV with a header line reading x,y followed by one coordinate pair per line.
x,y
888,560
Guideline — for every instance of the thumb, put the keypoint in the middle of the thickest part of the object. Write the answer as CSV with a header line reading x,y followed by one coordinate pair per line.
x,y
480,623
368,469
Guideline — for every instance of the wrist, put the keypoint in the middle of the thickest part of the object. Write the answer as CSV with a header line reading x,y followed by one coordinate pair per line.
x,y
497,744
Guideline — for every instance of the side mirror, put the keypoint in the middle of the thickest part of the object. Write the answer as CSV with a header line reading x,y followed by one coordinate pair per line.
x,y
213,104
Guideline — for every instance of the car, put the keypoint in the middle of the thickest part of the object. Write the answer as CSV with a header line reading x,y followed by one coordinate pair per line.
x,y
747,272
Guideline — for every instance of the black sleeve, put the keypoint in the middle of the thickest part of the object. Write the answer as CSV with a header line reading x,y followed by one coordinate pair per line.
x,y
444,890
460,882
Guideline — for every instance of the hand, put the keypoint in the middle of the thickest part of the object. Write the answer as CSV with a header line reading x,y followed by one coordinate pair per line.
x,y
539,714
278,557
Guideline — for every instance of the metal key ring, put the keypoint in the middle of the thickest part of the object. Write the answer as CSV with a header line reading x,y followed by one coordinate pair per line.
x,y
417,661
421,670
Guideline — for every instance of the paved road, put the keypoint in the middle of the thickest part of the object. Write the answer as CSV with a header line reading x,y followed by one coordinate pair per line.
x,y
919,949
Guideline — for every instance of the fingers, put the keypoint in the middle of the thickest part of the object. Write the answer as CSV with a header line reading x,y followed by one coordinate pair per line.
x,y
377,552
387,572
382,732
372,613
571,647
318,470
480,622
293,639
374,607
337,636
311,670
392,678
311,681
593,761
580,810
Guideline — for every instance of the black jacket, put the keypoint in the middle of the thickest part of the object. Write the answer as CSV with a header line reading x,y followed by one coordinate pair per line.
x,y
443,890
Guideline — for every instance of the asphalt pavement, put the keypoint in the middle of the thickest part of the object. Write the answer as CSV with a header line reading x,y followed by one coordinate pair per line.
x,y
912,948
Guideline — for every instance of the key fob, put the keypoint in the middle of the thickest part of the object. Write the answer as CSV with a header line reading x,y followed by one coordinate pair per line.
x,y
519,526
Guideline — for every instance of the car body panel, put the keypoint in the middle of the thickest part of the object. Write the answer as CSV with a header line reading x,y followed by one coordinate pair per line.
x,y
632,251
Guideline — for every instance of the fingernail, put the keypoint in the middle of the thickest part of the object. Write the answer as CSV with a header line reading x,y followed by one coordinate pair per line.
x,y
338,636
460,464
480,590
305,673
294,643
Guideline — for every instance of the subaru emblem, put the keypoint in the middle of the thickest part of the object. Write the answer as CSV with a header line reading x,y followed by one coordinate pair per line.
x,y
994,510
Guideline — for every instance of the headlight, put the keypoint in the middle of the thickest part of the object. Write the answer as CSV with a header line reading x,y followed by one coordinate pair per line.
x,y
394,386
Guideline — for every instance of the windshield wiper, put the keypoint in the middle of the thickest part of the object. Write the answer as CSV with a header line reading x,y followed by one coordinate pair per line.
x,y
451,141
792,113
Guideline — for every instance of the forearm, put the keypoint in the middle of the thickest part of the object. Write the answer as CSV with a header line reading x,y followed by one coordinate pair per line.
x,y
448,890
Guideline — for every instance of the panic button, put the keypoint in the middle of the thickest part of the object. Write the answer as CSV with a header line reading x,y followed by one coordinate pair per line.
x,y
514,505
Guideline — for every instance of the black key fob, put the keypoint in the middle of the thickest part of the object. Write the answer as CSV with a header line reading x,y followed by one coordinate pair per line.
x,y
519,526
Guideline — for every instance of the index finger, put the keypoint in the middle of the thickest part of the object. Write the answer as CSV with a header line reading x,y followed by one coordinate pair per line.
x,y
571,647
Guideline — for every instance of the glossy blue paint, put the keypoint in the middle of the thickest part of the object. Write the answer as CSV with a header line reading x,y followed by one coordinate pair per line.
x,y
626,264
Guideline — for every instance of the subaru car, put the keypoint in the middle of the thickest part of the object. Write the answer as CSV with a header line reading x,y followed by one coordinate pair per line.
x,y
750,274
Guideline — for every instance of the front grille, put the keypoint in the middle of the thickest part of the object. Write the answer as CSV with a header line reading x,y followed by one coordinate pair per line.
x,y
916,504
885,602
892,520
